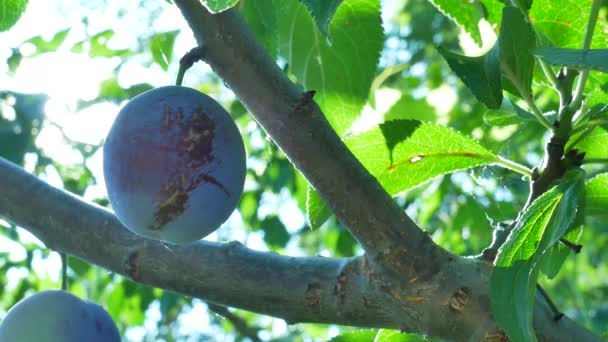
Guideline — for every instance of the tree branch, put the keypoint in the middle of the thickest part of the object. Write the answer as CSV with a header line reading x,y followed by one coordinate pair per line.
x,y
300,129
295,289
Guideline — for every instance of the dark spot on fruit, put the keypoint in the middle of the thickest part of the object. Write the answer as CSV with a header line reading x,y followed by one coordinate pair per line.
x,y
98,326
194,149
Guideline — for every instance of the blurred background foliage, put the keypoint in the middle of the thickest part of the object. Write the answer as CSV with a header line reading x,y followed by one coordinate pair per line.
x,y
458,210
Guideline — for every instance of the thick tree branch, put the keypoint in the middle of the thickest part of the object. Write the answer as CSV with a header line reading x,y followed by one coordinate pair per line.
x,y
300,129
295,289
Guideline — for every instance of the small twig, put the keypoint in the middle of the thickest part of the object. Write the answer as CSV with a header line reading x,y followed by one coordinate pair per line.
x,y
239,324
576,248
580,86
557,315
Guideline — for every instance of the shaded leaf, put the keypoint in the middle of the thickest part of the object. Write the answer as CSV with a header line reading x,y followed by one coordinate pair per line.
x,y
465,14
275,234
10,12
514,278
322,11
404,153
480,74
516,42
555,257
341,71
575,58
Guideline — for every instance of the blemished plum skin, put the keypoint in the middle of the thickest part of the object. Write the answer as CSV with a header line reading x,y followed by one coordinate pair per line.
x,y
57,316
174,165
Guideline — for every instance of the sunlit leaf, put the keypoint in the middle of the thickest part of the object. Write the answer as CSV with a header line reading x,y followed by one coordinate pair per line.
x,y
161,45
404,153
51,45
593,144
10,12
514,278
340,70
356,336
596,191
262,18
217,6
386,335
466,14
317,211
563,22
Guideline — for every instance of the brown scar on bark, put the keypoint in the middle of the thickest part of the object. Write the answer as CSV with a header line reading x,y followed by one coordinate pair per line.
x,y
132,265
339,289
313,295
460,298
304,103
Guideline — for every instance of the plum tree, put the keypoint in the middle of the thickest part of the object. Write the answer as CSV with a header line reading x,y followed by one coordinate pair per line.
x,y
174,165
52,316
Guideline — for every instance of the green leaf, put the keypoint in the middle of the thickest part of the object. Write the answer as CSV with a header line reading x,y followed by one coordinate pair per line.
x,y
514,278
593,144
356,336
480,74
510,113
275,234
161,45
10,12
465,14
596,192
341,71
562,23
217,6
262,18
516,42
408,107
43,46
404,153
386,335
317,210
322,11
575,58
96,46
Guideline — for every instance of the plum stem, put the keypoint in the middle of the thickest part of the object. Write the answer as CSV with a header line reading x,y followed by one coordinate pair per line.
x,y
64,271
194,55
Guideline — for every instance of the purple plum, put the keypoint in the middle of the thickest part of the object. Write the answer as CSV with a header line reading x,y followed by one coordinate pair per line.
x,y
53,316
174,165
